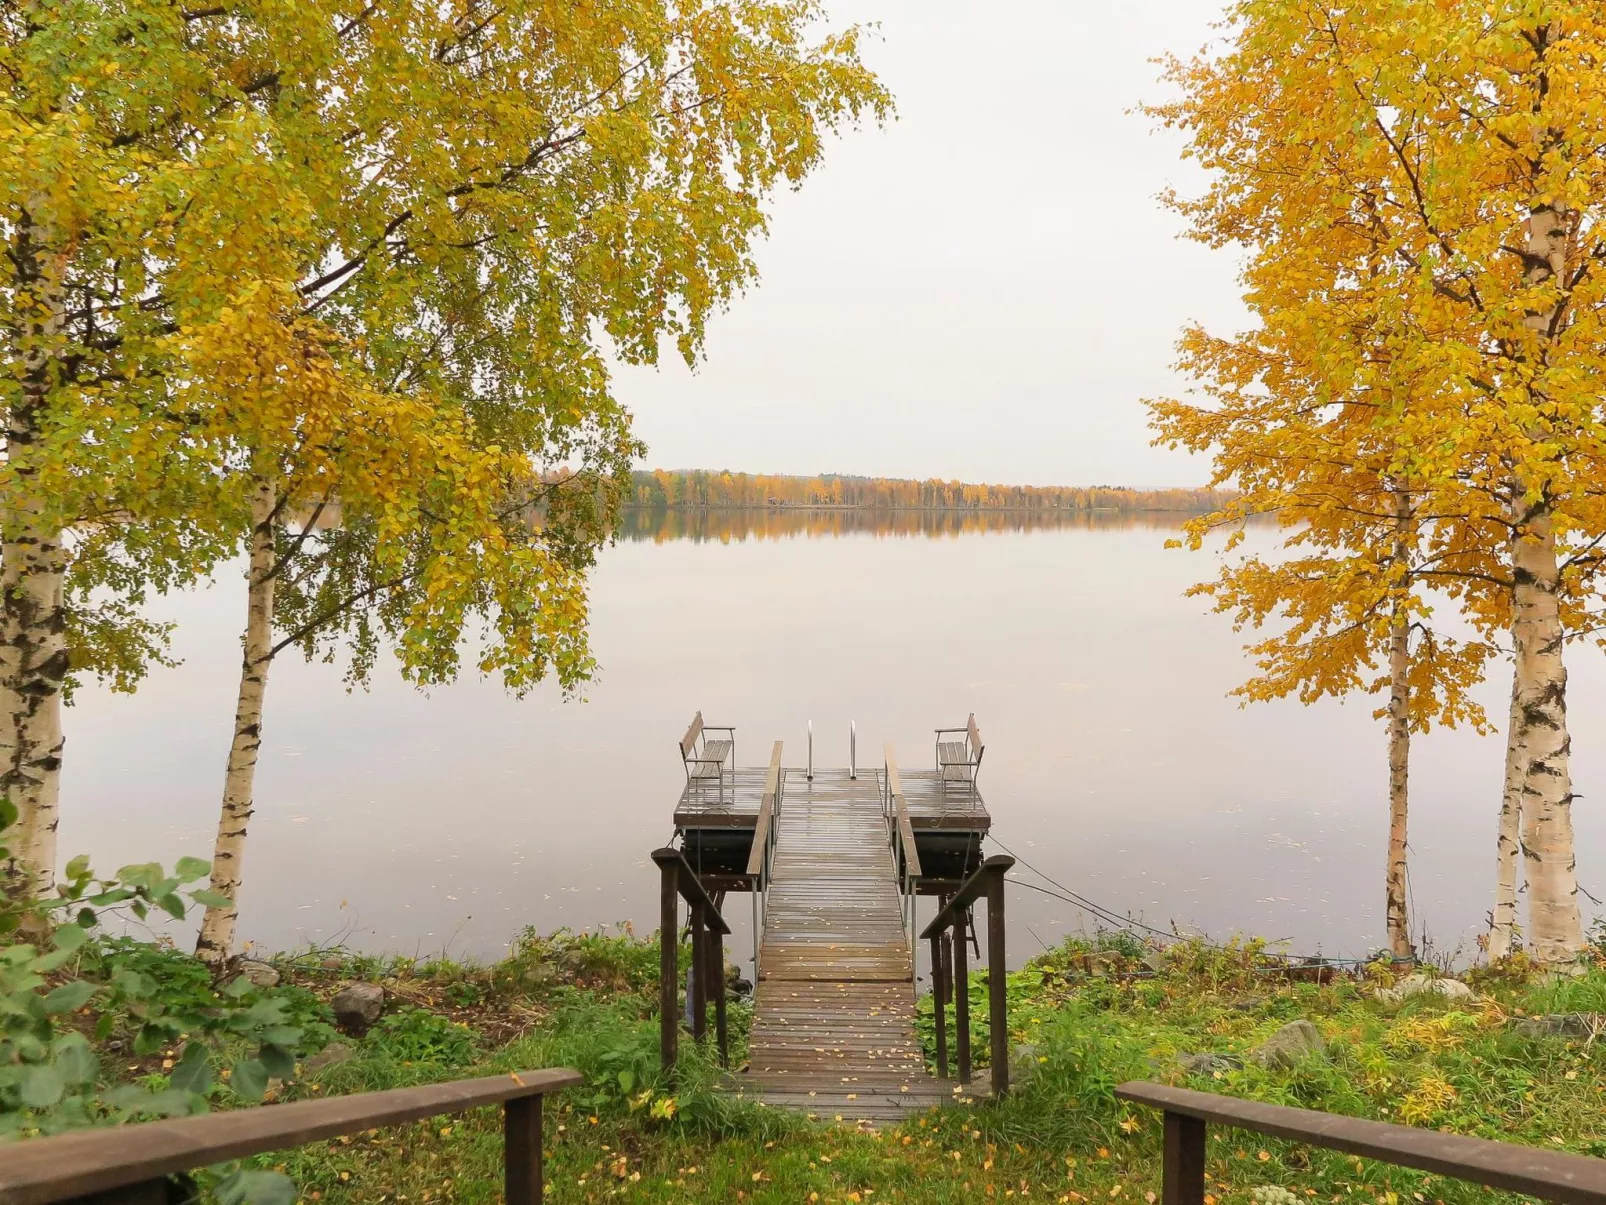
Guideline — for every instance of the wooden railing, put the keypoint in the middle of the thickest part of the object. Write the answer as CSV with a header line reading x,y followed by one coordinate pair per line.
x,y
988,881
708,933
900,839
129,1165
1548,1175
760,862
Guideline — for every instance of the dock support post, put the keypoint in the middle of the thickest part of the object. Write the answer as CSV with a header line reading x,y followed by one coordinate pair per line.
x,y
699,975
997,984
717,984
669,968
962,1003
937,1002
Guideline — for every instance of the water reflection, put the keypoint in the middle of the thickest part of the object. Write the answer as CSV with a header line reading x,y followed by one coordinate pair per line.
x,y
736,524
1116,763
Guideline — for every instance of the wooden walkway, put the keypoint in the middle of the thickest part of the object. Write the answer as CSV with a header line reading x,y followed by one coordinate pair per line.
x,y
833,1025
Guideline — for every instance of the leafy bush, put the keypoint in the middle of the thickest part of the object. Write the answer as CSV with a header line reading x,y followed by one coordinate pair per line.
x,y
416,1035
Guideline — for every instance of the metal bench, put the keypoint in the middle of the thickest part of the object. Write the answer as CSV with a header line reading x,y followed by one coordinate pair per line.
x,y
707,761
959,761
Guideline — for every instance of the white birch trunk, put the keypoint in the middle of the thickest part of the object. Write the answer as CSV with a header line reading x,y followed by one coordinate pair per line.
x,y
1539,713
1543,746
33,561
1399,728
1503,921
216,939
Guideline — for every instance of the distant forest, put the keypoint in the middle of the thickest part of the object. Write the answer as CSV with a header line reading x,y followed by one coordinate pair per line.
x,y
702,488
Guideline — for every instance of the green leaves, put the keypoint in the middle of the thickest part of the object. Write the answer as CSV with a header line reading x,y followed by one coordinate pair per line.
x,y
249,1079
253,1187
69,997
193,1071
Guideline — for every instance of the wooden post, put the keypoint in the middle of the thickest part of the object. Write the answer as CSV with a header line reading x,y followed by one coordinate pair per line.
x,y
699,975
997,984
669,968
962,1001
521,1155
716,958
146,1192
937,1001
1184,1160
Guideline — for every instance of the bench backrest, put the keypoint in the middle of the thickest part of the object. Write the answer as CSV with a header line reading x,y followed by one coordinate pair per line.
x,y
974,735
688,743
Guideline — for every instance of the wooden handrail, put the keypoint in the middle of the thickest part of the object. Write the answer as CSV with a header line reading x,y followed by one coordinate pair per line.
x,y
900,815
969,892
1549,1175
43,1170
766,813
691,888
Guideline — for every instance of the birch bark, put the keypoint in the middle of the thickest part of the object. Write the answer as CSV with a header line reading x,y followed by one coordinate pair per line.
x,y
216,939
33,646
1503,921
1399,729
1543,746
1539,711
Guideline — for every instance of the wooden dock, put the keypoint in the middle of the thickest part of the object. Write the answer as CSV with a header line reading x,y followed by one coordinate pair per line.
x,y
833,1022
835,860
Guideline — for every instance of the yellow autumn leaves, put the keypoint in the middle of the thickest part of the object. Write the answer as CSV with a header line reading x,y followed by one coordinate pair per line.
x,y
1418,192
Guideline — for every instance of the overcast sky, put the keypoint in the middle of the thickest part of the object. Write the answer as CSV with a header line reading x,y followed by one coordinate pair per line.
x,y
983,290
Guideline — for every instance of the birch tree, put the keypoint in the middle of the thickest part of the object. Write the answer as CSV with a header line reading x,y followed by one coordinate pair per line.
x,y
122,129
561,183
1463,146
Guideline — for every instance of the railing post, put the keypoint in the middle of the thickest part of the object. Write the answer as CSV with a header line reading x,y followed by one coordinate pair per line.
x,y
716,958
1184,1160
521,1155
937,1003
699,974
962,1000
997,984
669,968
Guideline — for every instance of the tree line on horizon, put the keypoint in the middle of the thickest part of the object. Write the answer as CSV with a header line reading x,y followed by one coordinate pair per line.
x,y
708,488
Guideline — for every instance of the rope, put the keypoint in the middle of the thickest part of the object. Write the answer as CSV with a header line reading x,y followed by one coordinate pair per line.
x,y
1107,915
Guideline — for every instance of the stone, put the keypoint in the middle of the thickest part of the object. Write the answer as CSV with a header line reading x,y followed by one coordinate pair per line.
x,y
331,964
331,1055
1290,1044
1102,962
1208,1064
1561,1025
1248,1004
542,974
1155,961
263,974
357,1006
1416,985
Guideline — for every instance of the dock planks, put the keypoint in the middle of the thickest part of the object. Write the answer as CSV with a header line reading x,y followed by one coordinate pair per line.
x,y
833,1025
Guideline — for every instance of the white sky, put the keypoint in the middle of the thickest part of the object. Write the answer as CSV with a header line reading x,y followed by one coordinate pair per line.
x,y
986,289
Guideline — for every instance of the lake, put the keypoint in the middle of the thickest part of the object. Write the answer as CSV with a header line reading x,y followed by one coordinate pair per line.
x,y
1116,765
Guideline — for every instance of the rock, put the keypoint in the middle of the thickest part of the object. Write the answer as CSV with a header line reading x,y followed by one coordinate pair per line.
x,y
1208,1064
1561,1025
263,974
1248,1004
357,1006
1155,960
1416,985
542,974
331,1055
1290,1044
331,964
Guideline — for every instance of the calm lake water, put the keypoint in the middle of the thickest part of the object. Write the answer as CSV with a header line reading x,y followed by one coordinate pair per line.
x,y
1115,762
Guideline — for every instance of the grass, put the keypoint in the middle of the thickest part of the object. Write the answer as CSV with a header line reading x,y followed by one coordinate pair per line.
x,y
588,1001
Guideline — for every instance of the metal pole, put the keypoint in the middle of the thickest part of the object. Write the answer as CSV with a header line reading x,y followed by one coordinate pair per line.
x,y
853,750
811,750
